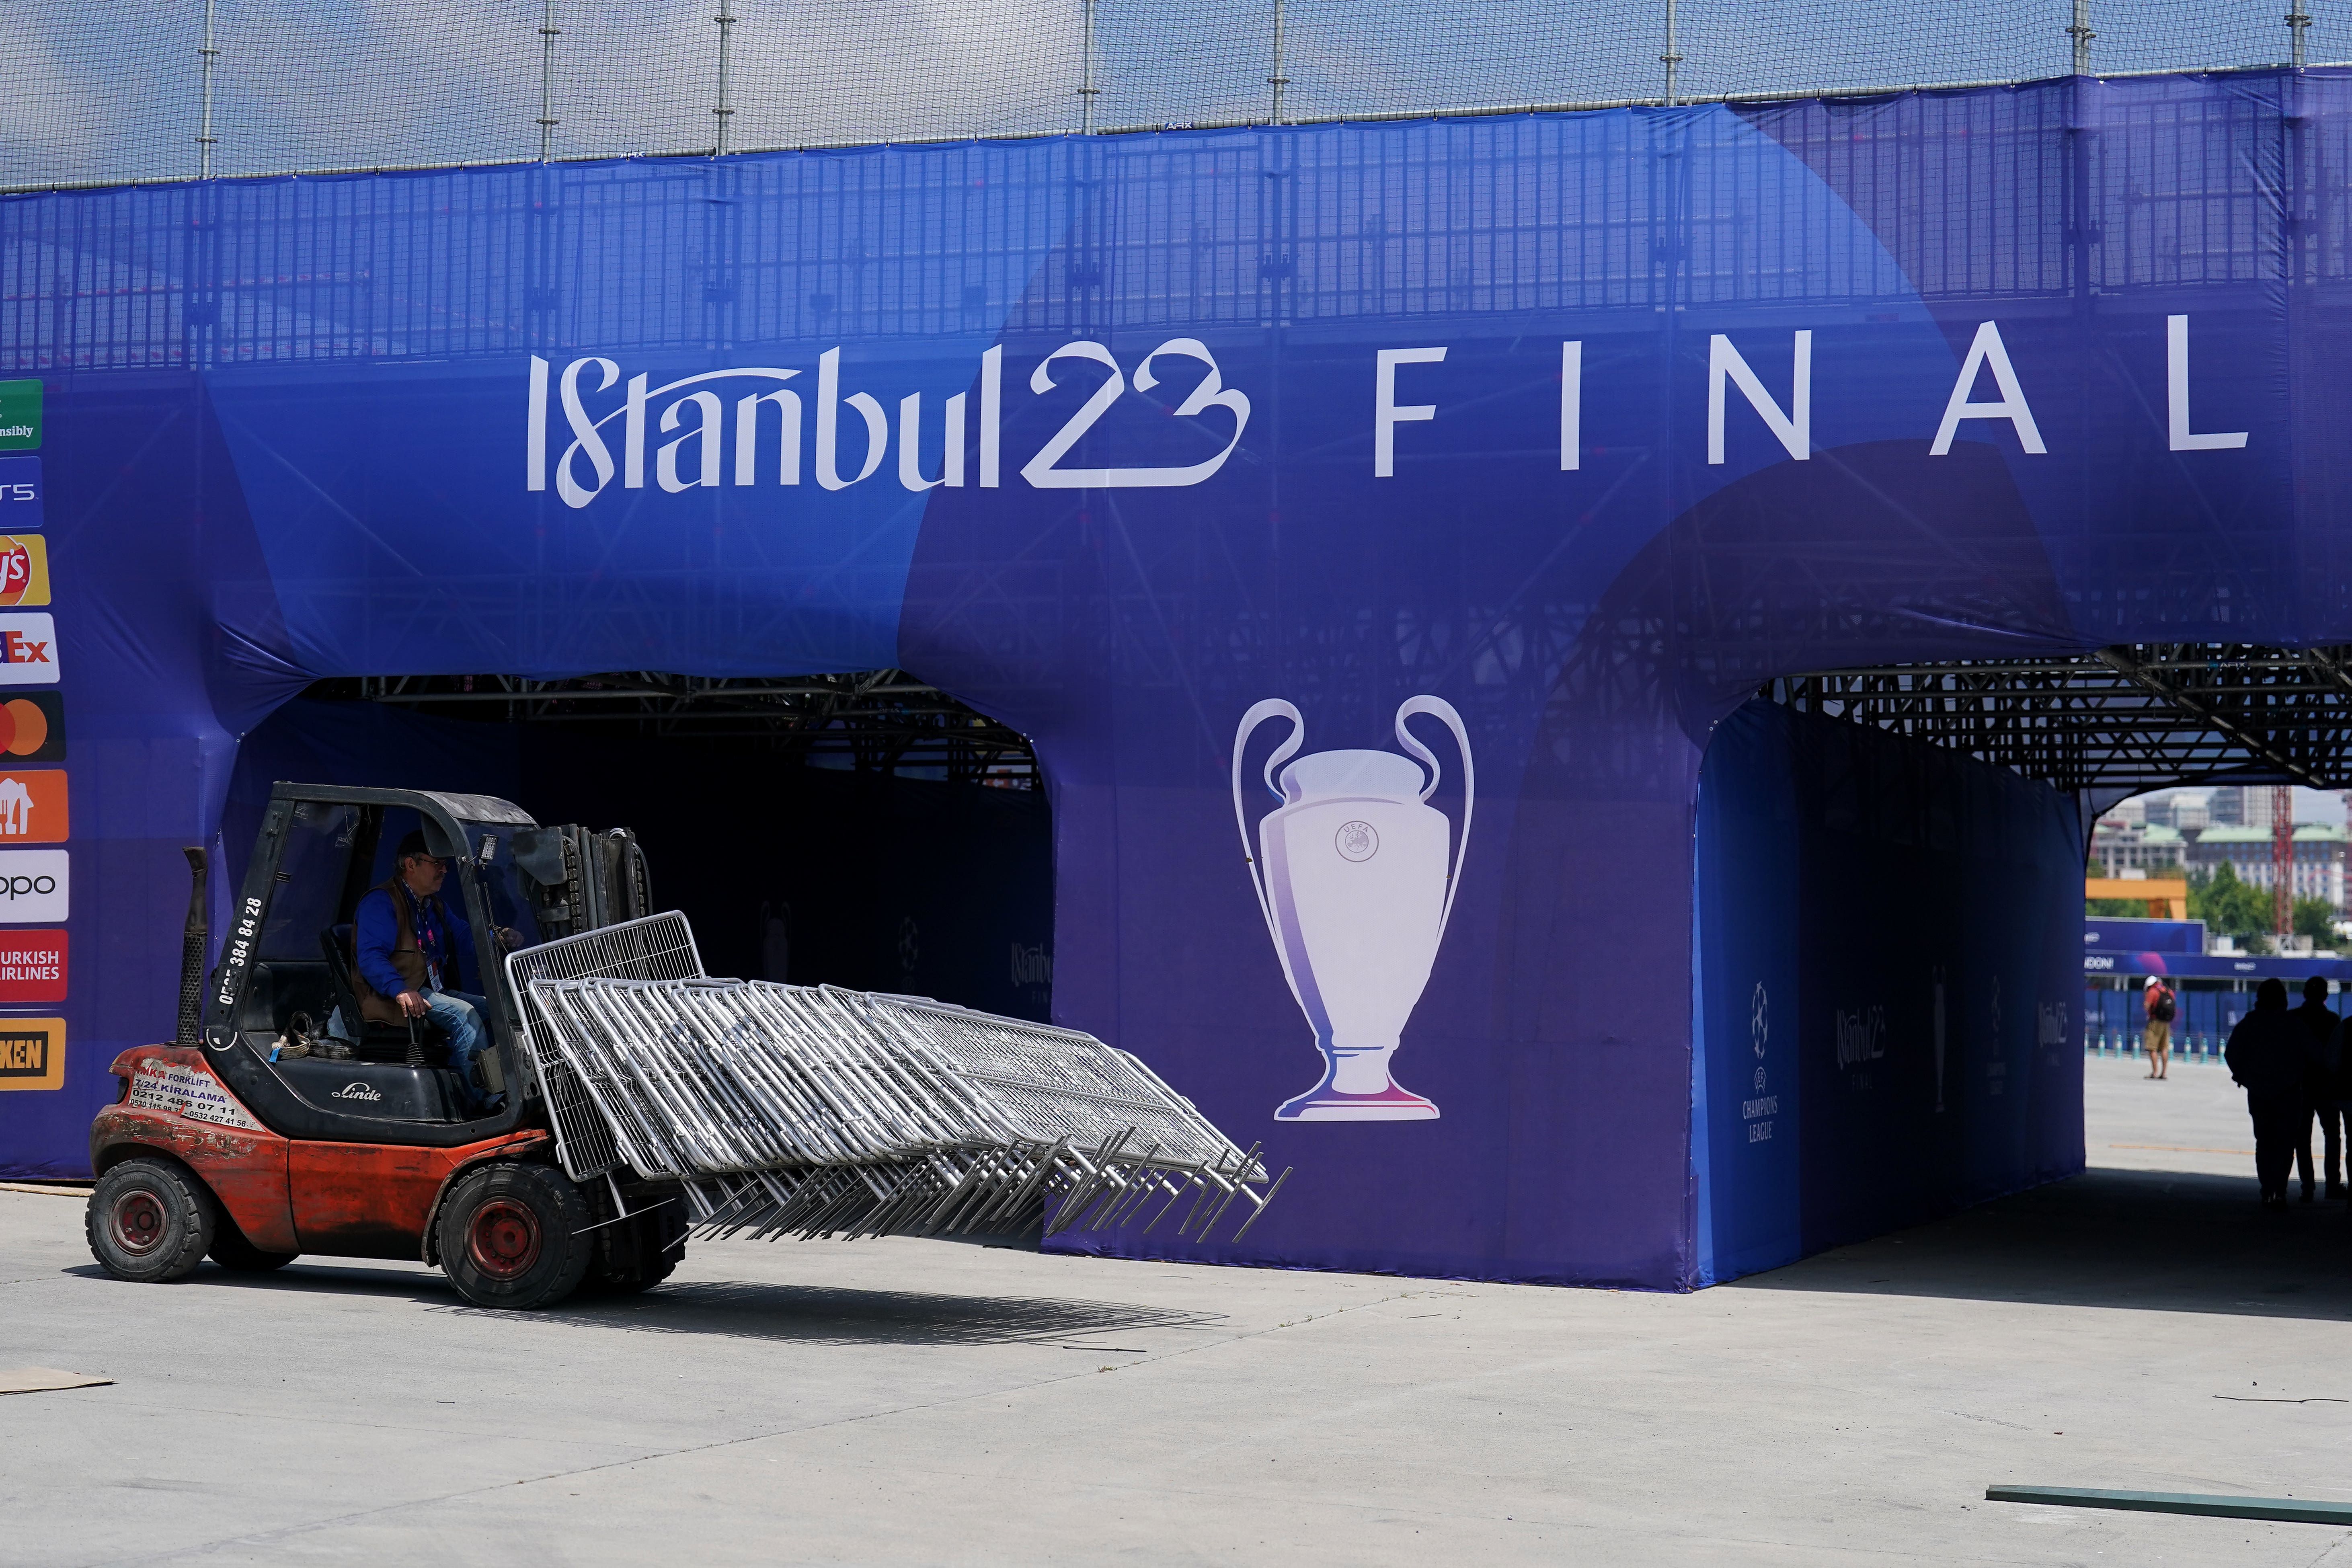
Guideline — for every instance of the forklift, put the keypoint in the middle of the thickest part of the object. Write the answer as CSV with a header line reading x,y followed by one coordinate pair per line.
x,y
237,1143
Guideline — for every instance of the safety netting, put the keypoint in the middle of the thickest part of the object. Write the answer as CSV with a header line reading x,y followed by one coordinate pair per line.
x,y
196,87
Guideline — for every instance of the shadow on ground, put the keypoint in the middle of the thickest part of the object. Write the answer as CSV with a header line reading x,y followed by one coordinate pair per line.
x,y
806,1314
2151,1240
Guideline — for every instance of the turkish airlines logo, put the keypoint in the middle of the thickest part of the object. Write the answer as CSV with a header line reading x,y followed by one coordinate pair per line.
x,y
33,966
28,651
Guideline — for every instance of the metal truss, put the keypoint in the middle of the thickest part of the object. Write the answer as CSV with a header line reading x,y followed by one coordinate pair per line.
x,y
2133,716
884,719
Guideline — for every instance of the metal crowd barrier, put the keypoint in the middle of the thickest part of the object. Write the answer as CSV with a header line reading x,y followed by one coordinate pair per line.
x,y
784,1110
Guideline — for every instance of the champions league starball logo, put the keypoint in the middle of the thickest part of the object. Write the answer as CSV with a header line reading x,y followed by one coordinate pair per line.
x,y
1356,876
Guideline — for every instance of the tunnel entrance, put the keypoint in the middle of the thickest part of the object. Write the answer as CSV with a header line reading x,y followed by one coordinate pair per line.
x,y
864,830
1891,934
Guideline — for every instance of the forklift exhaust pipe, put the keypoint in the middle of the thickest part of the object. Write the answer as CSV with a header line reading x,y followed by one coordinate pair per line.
x,y
194,938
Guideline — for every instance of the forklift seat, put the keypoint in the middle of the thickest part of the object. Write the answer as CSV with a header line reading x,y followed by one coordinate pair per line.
x,y
371,1042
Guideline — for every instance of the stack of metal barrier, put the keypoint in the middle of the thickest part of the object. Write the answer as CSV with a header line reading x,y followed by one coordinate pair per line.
x,y
785,1109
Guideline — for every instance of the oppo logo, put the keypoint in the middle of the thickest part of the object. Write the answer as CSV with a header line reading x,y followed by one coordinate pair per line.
x,y
14,887
744,428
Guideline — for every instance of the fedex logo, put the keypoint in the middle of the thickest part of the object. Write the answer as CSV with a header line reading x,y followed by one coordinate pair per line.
x,y
28,651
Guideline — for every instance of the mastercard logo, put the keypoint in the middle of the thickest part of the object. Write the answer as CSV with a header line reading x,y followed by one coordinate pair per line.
x,y
33,728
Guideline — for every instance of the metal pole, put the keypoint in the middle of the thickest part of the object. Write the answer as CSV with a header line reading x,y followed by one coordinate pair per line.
x,y
1278,81
548,33
726,20
2081,35
204,136
2283,862
1088,90
1672,56
2297,20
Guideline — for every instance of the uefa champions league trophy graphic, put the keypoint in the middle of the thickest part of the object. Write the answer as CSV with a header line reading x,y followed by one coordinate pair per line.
x,y
1354,878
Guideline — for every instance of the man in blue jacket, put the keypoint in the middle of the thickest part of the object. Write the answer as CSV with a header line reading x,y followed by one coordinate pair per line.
x,y
412,954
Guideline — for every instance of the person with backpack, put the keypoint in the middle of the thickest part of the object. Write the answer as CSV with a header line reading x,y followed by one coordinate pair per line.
x,y
2160,1005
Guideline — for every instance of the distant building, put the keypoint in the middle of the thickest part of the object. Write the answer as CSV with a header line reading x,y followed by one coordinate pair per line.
x,y
2187,809
2124,849
2319,852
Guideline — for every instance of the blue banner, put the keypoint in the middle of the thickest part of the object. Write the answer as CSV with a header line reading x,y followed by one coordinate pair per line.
x,y
1381,530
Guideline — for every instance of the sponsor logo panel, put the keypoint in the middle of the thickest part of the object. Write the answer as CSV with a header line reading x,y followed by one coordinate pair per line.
x,y
36,885
33,728
33,805
28,651
20,415
20,496
31,966
32,1053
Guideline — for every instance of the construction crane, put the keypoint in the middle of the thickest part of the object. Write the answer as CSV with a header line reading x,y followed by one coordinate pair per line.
x,y
2283,862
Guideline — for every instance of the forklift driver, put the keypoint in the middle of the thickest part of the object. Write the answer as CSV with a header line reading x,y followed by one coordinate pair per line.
x,y
412,954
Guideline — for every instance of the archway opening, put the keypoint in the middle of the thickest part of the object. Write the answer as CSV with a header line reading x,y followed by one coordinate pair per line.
x,y
864,829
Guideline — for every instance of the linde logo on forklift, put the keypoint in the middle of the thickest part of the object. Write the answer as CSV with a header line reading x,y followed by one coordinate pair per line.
x,y
356,1091
765,445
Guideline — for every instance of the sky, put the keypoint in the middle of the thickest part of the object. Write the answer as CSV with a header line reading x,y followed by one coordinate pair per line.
x,y
117,92
2310,805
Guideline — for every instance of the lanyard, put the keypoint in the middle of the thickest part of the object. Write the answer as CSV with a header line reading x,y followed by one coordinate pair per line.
x,y
428,937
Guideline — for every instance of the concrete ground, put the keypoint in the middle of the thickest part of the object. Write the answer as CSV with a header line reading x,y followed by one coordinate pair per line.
x,y
2141,1327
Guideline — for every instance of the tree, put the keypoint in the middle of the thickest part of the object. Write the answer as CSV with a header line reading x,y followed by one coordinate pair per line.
x,y
2228,906
2315,917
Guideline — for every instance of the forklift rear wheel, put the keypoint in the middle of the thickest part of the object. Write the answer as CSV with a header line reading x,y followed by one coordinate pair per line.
x,y
232,1250
517,1236
150,1221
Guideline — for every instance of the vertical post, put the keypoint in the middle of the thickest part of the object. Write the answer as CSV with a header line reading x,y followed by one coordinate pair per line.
x,y
1088,90
2297,21
204,138
2081,35
1672,56
548,33
1278,81
194,936
726,20
2283,862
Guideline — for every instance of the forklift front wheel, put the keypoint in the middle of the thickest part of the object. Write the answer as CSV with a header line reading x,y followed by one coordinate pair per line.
x,y
150,1221
517,1236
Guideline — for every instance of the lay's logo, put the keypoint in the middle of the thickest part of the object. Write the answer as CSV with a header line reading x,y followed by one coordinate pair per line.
x,y
28,651
24,569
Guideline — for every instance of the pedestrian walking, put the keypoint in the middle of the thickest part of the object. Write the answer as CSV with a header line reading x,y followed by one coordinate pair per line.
x,y
2319,1090
2159,1005
2267,1058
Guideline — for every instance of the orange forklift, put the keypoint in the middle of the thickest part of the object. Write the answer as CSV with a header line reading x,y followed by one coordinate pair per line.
x,y
240,1143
